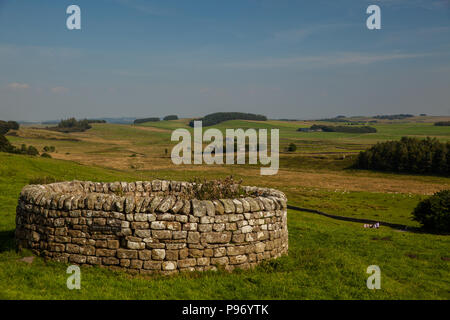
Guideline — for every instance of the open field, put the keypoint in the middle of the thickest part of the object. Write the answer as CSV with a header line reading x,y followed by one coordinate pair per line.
x,y
327,258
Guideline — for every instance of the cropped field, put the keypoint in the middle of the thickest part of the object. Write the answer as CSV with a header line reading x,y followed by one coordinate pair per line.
x,y
327,258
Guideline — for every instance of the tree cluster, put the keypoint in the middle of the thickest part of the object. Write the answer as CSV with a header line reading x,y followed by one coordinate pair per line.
x,y
345,129
171,117
394,116
218,117
442,123
143,120
434,212
5,126
409,155
71,125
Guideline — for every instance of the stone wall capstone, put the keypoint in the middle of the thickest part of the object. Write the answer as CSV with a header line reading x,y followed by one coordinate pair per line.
x,y
150,226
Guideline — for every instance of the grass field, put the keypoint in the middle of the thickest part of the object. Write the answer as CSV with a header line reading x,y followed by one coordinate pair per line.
x,y
327,258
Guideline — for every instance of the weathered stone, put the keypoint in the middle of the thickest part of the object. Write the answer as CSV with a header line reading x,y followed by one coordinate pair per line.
x,y
76,258
166,204
216,237
228,205
177,235
177,206
175,226
142,233
125,263
156,185
135,245
193,237
218,207
158,254
105,253
219,261
136,264
238,259
154,204
162,234
245,205
126,254
195,253
115,224
113,244
171,255
260,247
129,204
145,254
198,208
159,225
186,207
152,265
205,227
187,263
140,217
110,261
169,265
87,250
72,248
238,205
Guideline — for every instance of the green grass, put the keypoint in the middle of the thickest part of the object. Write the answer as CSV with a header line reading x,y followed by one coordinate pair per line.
x,y
327,258
324,141
394,208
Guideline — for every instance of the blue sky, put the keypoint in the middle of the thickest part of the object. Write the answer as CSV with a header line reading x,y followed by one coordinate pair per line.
x,y
284,59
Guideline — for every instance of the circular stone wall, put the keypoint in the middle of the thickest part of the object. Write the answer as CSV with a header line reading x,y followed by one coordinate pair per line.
x,y
150,226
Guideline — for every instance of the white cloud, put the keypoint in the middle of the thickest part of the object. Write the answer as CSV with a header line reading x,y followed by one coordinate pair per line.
x,y
319,61
293,35
8,50
58,90
18,86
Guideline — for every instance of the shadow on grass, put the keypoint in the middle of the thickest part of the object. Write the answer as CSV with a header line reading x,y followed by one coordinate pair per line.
x,y
7,242
354,168
400,227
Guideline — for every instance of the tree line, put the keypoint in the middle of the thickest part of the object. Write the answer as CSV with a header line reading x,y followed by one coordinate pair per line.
x,y
345,129
156,119
394,116
5,126
409,155
6,146
442,123
218,117
72,125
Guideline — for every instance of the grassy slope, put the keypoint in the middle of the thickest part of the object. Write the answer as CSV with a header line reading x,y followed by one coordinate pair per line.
x,y
327,258
347,141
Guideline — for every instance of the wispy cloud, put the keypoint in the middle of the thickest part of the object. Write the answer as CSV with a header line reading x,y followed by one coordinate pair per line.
x,y
320,61
18,86
43,51
298,34
59,90
434,30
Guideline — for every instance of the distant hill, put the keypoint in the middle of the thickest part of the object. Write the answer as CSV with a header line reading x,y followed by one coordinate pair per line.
x,y
71,125
344,129
393,116
170,117
143,120
218,117
122,120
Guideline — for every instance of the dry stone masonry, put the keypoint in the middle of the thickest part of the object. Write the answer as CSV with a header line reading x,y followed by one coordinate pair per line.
x,y
150,226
